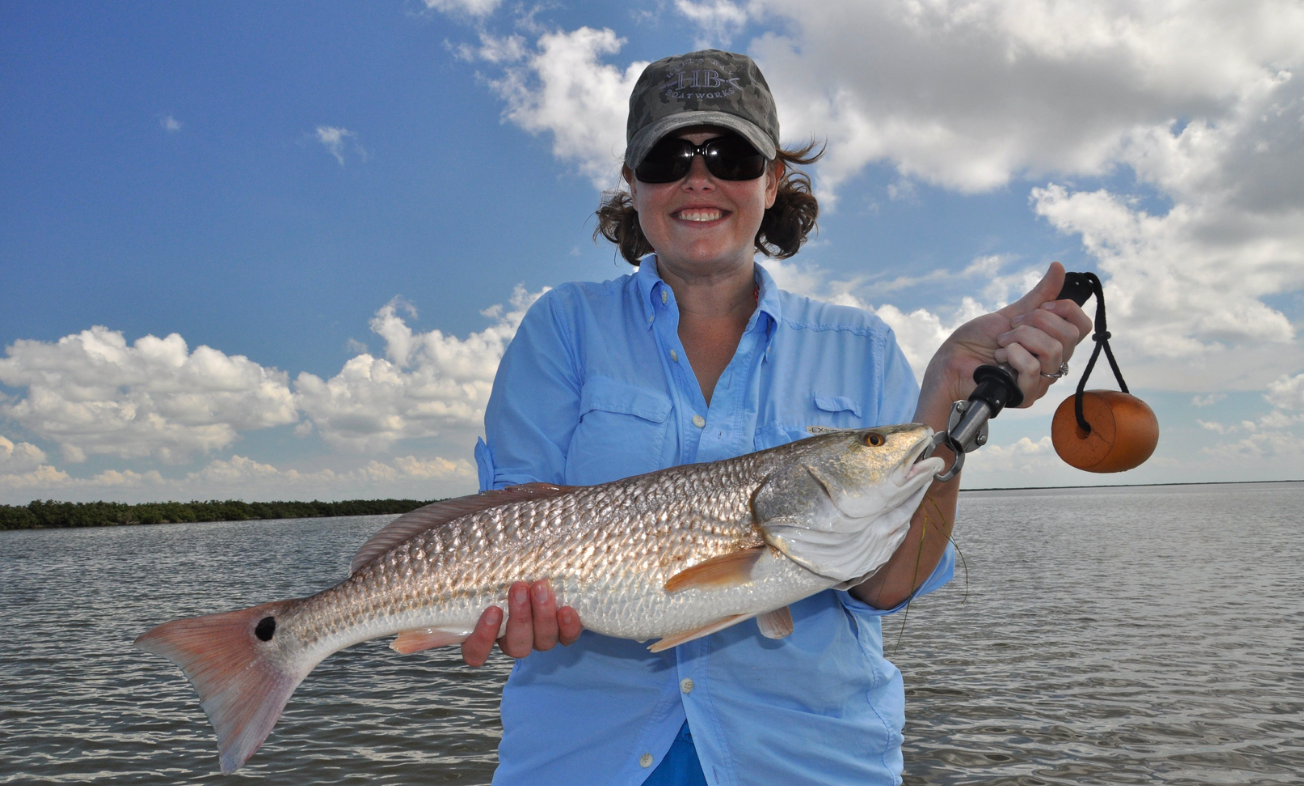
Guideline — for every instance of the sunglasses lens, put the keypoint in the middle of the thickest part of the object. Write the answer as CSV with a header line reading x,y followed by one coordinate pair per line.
x,y
727,157
732,158
667,161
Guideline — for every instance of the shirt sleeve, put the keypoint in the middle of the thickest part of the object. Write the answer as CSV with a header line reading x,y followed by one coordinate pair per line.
x,y
534,406
897,403
943,573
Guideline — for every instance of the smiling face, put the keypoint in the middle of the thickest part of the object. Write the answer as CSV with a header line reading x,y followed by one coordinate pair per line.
x,y
700,224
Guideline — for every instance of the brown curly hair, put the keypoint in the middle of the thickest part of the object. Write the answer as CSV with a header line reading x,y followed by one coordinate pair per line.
x,y
784,226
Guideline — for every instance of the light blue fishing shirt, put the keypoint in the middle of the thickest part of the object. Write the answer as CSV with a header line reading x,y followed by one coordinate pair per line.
x,y
596,387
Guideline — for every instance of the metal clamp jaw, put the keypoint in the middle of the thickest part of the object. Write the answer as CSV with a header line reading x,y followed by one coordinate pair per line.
x,y
966,426
966,431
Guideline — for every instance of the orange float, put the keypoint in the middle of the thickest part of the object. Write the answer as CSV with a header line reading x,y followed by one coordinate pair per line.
x,y
1124,432
1101,430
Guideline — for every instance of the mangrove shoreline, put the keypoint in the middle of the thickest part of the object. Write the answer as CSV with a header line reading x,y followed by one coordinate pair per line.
x,y
62,515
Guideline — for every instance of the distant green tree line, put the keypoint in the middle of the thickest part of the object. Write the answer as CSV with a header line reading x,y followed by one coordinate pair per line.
x,y
51,514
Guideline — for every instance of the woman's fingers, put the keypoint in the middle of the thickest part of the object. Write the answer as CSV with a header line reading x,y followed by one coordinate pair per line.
x,y
518,641
1073,314
1029,369
476,649
568,625
533,623
1048,350
544,611
1067,328
1039,342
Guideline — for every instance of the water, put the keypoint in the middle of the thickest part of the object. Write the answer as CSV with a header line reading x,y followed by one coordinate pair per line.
x,y
1108,636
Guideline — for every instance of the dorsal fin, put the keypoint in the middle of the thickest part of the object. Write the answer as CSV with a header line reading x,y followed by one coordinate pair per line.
x,y
438,513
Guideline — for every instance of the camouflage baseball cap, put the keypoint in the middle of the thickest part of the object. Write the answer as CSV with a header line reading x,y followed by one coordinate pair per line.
x,y
709,87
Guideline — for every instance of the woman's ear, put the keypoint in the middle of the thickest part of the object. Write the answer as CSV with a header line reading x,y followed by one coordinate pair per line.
x,y
628,175
773,176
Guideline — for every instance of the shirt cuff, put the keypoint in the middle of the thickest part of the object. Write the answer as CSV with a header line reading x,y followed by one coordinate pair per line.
x,y
944,572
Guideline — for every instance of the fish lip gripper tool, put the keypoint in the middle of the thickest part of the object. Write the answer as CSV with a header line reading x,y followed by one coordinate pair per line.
x,y
998,388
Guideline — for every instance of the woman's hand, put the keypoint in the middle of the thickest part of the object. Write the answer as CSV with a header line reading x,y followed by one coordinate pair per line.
x,y
1034,335
533,623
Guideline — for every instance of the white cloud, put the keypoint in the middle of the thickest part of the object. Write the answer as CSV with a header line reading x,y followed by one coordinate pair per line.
x,y
1287,392
19,457
399,476
921,332
1207,401
968,95
564,89
92,393
493,49
717,21
427,383
170,124
33,483
1024,456
334,139
1259,445
1223,428
1272,435
1175,289
480,8
811,280
240,477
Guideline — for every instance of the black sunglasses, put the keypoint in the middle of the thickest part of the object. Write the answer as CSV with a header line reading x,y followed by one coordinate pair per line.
x,y
727,157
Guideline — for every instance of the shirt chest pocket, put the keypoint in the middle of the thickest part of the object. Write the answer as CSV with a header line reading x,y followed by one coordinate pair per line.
x,y
622,432
831,411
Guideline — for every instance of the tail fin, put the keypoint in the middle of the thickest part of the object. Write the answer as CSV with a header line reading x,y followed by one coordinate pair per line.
x,y
243,675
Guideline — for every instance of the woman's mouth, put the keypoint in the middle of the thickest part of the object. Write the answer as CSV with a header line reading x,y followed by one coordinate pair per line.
x,y
699,214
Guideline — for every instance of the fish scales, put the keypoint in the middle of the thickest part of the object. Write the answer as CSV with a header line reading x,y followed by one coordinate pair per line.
x,y
741,538
629,537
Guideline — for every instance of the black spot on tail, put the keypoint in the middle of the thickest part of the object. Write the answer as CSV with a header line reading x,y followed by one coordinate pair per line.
x,y
266,628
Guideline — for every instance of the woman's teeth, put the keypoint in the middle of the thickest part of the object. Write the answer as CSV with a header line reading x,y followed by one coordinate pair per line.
x,y
700,215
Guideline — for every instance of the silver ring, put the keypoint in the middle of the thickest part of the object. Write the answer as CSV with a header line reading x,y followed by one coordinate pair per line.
x,y
1063,371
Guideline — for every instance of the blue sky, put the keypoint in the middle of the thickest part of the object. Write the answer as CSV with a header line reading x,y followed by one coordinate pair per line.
x,y
275,250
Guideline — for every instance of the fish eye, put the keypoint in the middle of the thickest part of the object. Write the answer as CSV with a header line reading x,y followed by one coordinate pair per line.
x,y
874,440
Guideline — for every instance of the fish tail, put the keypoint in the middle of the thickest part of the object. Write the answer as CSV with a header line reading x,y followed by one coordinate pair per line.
x,y
243,674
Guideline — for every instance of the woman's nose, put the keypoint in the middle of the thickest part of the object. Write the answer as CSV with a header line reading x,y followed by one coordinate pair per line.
x,y
698,176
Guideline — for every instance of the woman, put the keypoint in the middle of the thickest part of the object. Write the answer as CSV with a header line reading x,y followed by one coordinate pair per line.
x,y
695,357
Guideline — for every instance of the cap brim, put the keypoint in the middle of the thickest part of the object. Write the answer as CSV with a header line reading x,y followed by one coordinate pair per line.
x,y
647,137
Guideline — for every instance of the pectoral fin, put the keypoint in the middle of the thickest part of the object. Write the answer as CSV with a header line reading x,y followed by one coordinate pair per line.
x,y
775,624
417,639
729,570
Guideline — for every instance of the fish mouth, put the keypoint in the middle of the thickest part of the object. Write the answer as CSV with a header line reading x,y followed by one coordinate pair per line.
x,y
915,466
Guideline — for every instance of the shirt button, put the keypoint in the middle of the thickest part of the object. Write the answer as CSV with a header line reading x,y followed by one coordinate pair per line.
x,y
650,317
665,296
699,421
674,356
686,685
645,760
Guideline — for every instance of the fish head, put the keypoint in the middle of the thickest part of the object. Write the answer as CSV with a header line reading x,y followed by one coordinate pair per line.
x,y
866,472
840,503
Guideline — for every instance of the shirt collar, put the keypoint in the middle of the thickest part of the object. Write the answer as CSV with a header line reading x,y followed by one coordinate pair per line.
x,y
768,301
650,286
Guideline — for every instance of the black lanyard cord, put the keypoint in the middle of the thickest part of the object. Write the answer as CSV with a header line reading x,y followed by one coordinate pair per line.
x,y
1101,337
